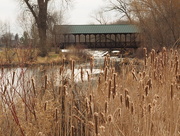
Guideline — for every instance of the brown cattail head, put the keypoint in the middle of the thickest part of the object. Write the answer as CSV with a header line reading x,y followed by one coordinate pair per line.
x,y
114,87
110,118
172,91
91,63
132,108
89,76
105,73
45,106
149,108
105,62
87,104
127,101
99,80
152,56
34,90
82,74
106,107
96,122
145,56
126,92
45,81
63,63
149,83
146,90
13,77
72,131
121,98
177,67
90,97
109,90
56,114
72,69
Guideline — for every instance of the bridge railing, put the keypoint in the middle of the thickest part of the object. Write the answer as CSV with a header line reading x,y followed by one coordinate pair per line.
x,y
102,44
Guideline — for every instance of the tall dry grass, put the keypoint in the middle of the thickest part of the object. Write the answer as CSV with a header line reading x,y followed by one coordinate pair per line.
x,y
133,102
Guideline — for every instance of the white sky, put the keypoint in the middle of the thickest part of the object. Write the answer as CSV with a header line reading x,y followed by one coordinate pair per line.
x,y
80,13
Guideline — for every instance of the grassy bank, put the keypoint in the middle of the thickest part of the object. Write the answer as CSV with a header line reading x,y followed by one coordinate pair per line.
x,y
130,102
26,57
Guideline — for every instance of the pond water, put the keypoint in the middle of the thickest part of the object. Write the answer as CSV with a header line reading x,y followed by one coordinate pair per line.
x,y
19,78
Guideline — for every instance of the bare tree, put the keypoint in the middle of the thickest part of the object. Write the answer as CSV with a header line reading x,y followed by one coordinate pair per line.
x,y
39,10
159,20
100,17
122,7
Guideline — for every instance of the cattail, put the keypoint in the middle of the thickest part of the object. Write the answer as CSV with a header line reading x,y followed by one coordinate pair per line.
x,y
91,63
45,82
110,118
121,98
152,56
149,107
81,74
56,114
88,75
146,89
106,107
172,92
145,51
72,131
87,104
144,74
134,75
72,68
126,92
96,122
34,90
156,63
13,77
99,80
114,88
90,97
5,88
118,112
165,58
127,101
105,73
145,56
61,70
63,63
109,90
45,106
91,108
177,67
154,74
132,108
105,62
149,83
143,97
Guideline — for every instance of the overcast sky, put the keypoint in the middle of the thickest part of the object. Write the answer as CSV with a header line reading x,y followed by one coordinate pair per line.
x,y
80,13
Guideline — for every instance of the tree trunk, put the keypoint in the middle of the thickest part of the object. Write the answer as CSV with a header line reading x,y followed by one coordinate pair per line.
x,y
42,26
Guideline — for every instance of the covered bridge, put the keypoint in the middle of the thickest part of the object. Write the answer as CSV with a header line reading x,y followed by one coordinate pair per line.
x,y
97,36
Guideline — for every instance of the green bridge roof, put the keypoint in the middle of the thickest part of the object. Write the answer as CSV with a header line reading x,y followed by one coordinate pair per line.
x,y
95,29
